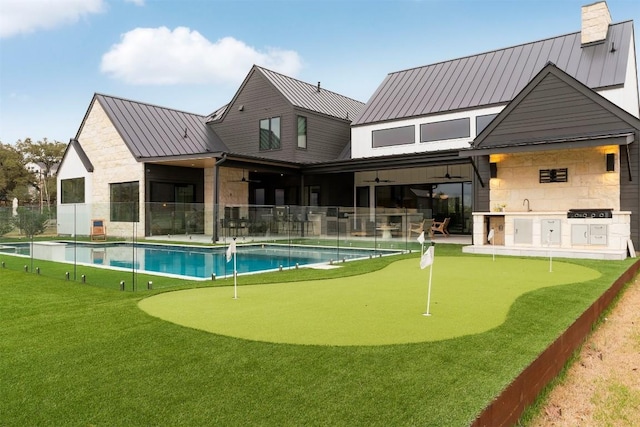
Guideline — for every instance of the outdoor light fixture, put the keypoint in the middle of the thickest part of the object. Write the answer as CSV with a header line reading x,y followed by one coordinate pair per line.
x,y
493,168
611,166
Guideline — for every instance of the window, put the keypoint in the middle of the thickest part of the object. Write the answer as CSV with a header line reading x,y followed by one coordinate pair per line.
x,y
395,136
362,197
72,190
483,121
302,132
125,201
270,134
449,129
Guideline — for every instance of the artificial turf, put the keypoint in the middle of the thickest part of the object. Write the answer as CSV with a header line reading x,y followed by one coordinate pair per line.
x,y
469,295
74,354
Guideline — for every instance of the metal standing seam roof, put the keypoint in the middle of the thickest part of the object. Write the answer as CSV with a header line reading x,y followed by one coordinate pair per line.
x,y
496,77
151,131
307,96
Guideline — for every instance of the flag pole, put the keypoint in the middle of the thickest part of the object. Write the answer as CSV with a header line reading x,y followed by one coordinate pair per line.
x,y
235,277
430,277
492,239
550,255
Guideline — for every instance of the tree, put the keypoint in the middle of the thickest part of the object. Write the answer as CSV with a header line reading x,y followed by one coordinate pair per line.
x,y
30,221
14,177
46,154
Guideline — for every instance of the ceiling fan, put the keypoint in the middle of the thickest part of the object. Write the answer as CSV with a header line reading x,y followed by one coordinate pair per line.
x,y
247,180
449,176
378,180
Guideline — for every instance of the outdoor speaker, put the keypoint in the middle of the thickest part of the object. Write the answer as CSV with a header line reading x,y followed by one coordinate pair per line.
x,y
493,168
611,162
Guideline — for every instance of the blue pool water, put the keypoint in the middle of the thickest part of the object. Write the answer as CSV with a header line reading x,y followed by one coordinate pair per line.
x,y
192,261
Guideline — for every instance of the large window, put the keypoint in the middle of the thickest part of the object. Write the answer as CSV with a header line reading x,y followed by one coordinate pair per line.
x,y
394,136
270,133
125,201
302,132
449,129
72,190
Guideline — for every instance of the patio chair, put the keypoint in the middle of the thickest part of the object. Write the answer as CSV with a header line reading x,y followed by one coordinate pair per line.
x,y
419,227
416,227
98,229
441,227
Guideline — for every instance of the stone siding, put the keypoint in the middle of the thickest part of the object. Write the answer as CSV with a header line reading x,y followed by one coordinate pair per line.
x,y
113,163
589,184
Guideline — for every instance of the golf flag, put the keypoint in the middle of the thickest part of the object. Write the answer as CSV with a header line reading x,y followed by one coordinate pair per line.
x,y
490,236
231,250
421,238
427,258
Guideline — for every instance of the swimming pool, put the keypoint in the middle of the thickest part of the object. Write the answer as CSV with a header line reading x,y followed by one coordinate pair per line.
x,y
191,261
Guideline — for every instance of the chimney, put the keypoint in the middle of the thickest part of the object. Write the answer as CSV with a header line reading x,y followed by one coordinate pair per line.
x,y
595,23
318,86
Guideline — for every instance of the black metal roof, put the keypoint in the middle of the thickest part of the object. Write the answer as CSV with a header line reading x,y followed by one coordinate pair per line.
x,y
496,77
312,97
154,132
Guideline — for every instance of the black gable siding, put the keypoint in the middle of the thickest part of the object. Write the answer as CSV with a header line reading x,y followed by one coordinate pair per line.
x,y
258,99
326,137
629,194
240,130
554,110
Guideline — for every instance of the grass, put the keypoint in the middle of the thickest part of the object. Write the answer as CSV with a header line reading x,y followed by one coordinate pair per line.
x,y
74,354
375,308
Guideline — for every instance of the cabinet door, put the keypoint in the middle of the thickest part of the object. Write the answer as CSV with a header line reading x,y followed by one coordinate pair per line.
x,y
523,231
550,231
579,234
598,234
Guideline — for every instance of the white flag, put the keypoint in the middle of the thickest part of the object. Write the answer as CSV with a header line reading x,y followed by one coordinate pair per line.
x,y
231,250
421,238
490,236
427,258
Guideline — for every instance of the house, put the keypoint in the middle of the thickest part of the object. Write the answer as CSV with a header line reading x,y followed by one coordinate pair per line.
x,y
151,170
538,142
544,131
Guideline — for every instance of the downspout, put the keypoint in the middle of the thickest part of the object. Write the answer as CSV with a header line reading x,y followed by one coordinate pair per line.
x,y
217,196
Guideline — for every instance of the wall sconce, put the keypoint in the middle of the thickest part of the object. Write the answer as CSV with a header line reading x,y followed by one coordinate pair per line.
x,y
493,169
611,162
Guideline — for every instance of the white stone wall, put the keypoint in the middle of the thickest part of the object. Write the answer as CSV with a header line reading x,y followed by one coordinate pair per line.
x,y
113,163
589,184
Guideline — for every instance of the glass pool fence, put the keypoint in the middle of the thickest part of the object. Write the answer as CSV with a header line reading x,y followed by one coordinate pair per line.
x,y
132,246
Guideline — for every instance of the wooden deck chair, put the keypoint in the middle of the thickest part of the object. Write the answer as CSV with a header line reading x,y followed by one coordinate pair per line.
x,y
416,227
98,229
441,227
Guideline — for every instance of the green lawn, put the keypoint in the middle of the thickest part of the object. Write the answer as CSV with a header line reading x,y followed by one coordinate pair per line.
x,y
74,354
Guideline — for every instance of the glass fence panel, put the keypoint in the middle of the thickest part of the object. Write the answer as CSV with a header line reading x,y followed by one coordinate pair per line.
x,y
127,245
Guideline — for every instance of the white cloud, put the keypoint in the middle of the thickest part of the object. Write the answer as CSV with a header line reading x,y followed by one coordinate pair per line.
x,y
25,16
159,56
136,2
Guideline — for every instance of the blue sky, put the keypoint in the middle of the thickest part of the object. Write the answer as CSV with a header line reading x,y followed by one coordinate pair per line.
x,y
192,55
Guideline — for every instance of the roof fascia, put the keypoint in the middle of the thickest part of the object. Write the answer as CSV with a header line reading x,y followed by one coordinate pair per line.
x,y
75,144
412,160
560,144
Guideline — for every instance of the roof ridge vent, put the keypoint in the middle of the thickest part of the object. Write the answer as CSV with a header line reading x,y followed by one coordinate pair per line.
x,y
595,23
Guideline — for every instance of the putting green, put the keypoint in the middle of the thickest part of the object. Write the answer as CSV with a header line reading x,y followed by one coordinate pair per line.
x,y
469,295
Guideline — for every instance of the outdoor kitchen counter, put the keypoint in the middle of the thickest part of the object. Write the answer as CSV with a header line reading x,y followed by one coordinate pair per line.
x,y
542,229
